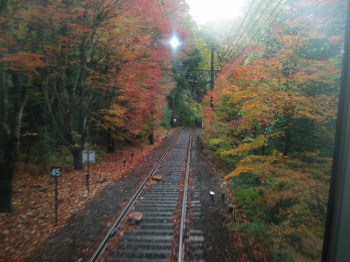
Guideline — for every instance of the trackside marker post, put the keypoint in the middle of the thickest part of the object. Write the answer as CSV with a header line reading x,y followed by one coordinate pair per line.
x,y
56,172
89,157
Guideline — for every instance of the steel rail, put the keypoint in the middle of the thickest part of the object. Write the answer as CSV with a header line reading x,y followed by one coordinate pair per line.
x,y
130,204
184,203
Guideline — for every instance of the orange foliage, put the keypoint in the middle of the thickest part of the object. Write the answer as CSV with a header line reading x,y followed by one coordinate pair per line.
x,y
33,218
273,120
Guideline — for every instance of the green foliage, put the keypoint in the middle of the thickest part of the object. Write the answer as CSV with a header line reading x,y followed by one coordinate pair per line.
x,y
166,118
289,200
190,88
248,200
255,237
273,126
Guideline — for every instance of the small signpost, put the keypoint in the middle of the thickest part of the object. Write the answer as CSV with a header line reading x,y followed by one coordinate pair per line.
x,y
212,195
56,172
88,157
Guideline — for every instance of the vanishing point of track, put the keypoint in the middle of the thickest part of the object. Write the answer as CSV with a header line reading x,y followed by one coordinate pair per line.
x,y
160,234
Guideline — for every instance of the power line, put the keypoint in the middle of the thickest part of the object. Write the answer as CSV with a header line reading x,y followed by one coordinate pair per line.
x,y
239,29
164,17
258,32
253,26
247,25
263,34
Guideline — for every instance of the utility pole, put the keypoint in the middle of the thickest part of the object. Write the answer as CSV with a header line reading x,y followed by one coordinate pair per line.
x,y
212,70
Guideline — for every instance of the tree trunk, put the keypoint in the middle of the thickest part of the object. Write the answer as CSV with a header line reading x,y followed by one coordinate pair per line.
x,y
10,127
77,158
110,142
7,169
286,143
151,139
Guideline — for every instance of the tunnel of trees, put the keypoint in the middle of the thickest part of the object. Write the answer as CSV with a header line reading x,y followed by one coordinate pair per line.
x,y
75,74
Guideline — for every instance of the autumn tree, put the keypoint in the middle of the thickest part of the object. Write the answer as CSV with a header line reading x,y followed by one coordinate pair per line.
x,y
135,89
89,67
19,63
273,126
74,35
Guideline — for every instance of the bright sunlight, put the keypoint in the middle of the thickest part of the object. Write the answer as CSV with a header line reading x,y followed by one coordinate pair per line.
x,y
204,11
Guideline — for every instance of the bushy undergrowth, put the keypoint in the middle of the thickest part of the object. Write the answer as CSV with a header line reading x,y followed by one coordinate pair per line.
x,y
270,122
283,217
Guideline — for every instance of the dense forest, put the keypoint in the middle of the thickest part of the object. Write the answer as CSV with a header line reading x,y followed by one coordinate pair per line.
x,y
75,74
272,126
85,74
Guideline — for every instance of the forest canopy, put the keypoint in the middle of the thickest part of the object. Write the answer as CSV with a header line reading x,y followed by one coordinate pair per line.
x,y
78,74
82,72
272,126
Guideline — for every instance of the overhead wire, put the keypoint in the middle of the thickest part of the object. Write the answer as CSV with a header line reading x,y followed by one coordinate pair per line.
x,y
263,33
253,27
258,31
239,28
164,17
251,30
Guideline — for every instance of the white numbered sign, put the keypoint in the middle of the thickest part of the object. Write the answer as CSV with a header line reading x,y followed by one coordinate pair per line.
x,y
56,171
88,156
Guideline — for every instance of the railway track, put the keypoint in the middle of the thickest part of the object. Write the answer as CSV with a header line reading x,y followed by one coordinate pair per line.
x,y
160,234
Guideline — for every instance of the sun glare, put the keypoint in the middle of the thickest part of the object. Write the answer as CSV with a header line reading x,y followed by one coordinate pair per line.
x,y
174,42
204,11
